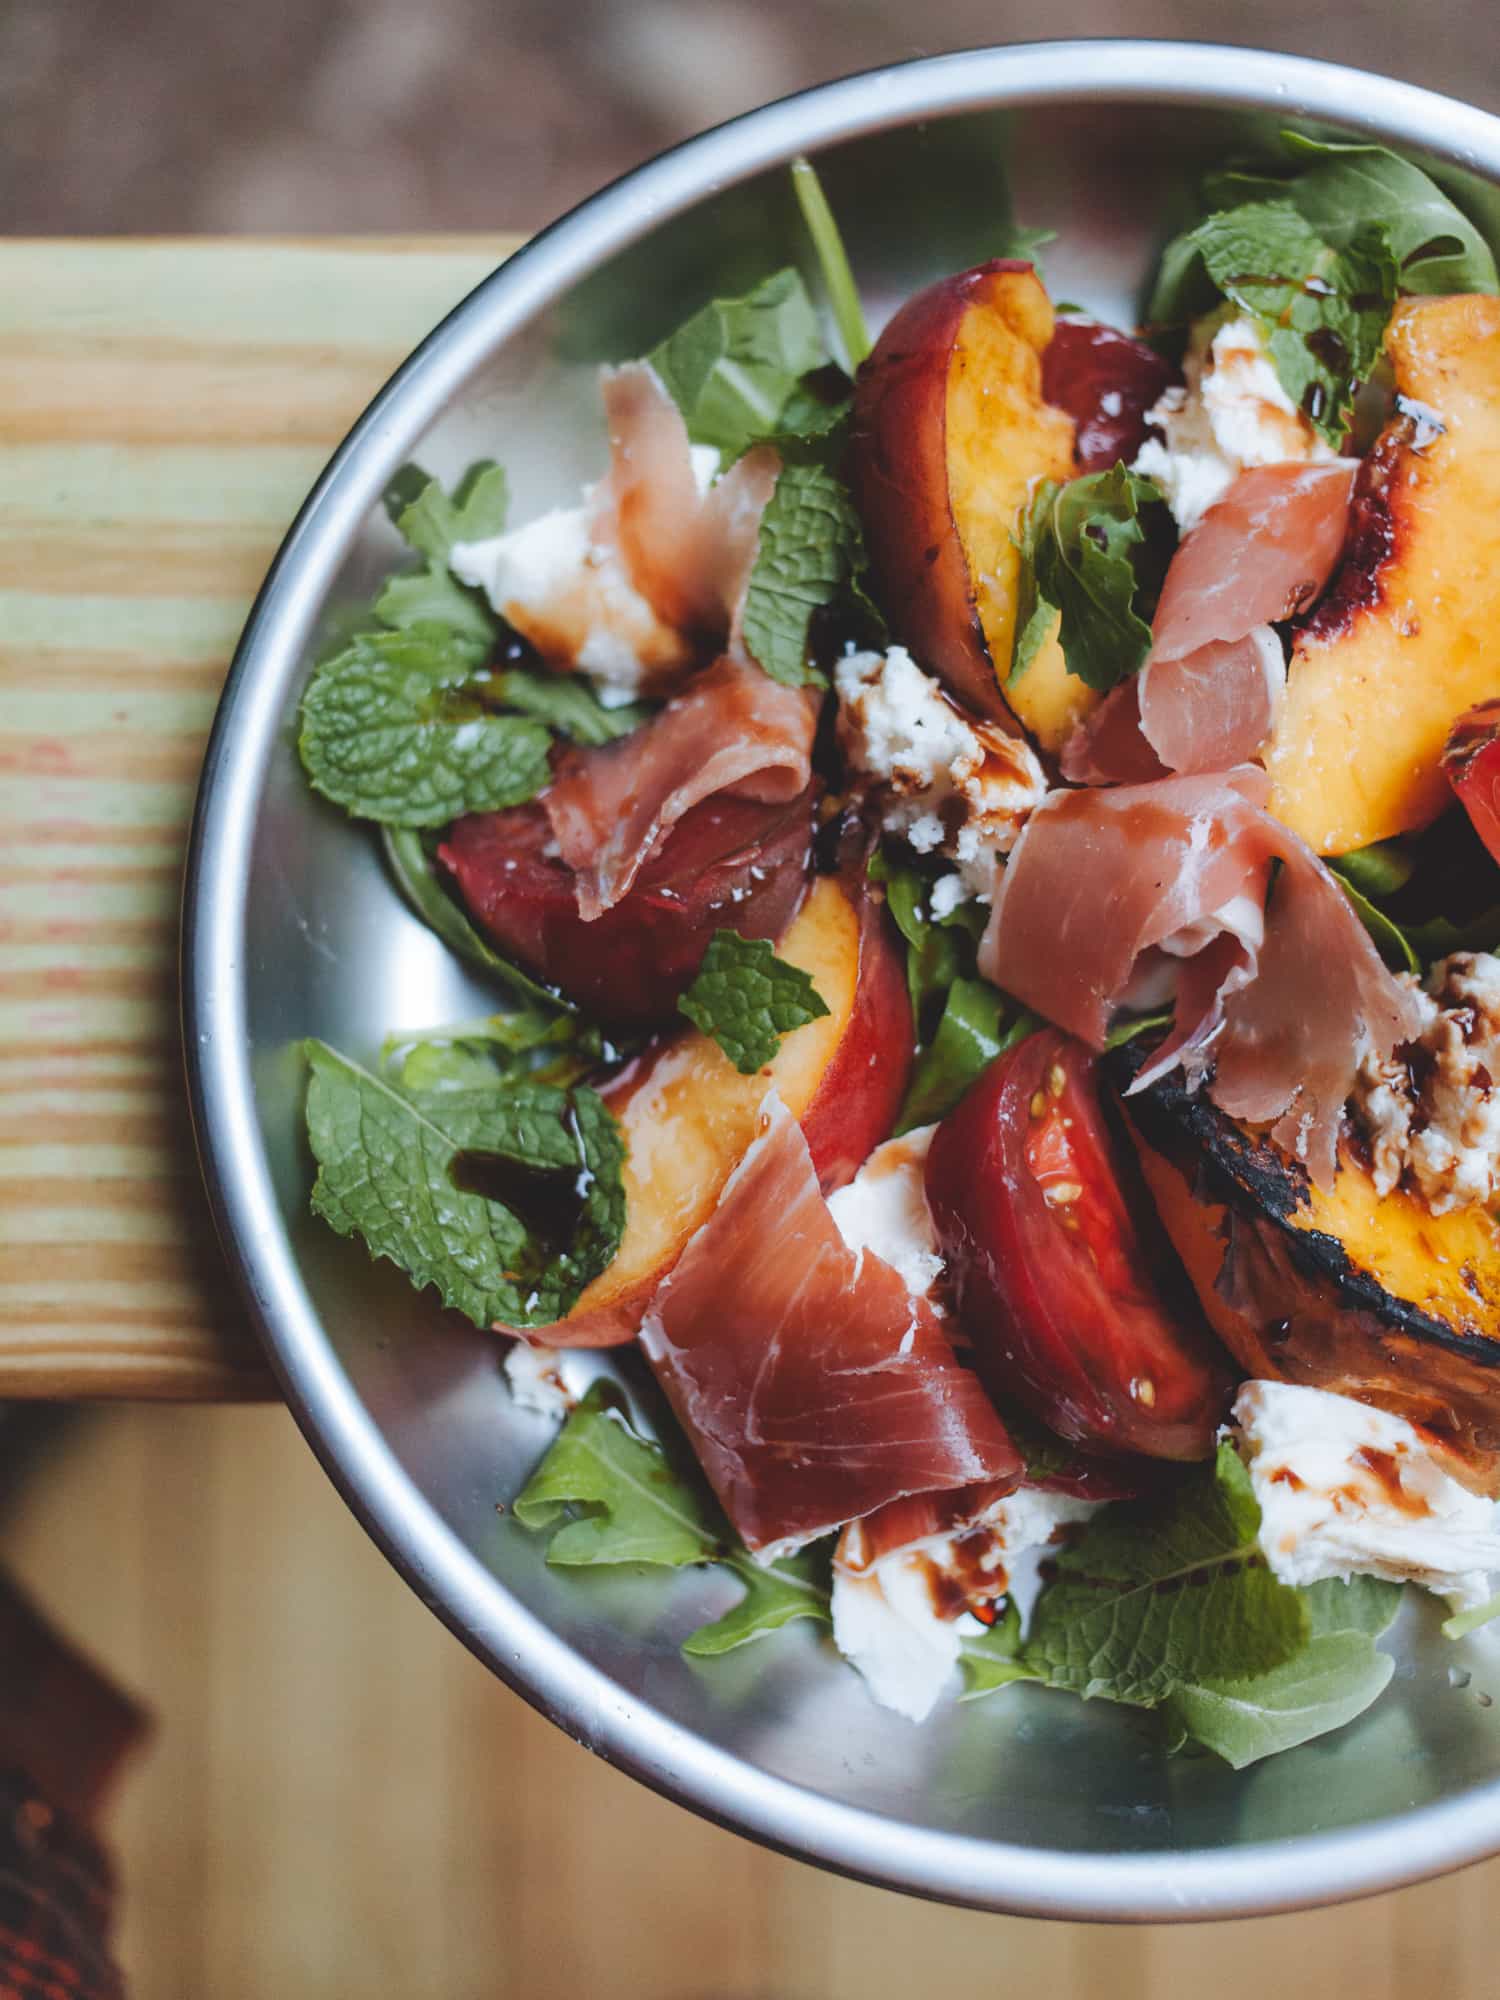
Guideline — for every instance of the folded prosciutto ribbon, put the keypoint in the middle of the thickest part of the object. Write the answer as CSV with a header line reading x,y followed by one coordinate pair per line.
x,y
814,1386
1206,698
1102,882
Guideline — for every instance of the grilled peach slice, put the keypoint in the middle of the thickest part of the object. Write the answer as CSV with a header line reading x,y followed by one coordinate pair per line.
x,y
951,433
1404,640
688,1115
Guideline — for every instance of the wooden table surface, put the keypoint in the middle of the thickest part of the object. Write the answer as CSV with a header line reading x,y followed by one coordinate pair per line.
x,y
341,1802
164,407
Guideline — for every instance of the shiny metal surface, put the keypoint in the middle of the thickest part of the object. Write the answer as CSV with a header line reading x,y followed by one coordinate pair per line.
x,y
1028,1802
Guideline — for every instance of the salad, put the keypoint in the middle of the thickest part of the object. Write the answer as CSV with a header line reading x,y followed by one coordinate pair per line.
x,y
987,850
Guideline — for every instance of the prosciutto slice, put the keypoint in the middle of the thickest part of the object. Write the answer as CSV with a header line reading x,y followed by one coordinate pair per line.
x,y
689,553
814,1386
732,730
1100,880
1206,698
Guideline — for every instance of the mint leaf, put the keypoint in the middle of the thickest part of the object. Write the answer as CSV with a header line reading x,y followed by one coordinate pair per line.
x,y
731,368
390,732
611,1496
412,861
389,1171
995,1660
775,1593
1380,869
432,521
1093,551
614,1497
567,703
1162,1593
1365,1604
1323,311
747,999
1353,186
1334,1678
811,549
1017,240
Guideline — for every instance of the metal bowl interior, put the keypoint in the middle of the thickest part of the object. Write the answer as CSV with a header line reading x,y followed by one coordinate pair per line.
x,y
1025,1802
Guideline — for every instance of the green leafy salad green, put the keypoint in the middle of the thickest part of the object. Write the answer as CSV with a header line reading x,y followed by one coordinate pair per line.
x,y
490,1160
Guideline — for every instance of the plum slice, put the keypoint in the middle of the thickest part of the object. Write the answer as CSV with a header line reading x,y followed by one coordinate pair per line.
x,y
729,864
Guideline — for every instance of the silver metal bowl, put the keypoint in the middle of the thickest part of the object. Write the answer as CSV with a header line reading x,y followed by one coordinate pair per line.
x,y
1029,1801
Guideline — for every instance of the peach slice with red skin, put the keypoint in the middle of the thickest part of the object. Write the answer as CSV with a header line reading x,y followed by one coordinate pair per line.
x,y
688,1116
951,434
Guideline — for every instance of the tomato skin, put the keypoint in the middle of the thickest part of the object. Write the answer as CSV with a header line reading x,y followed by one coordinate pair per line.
x,y
1063,1278
1471,764
728,864
1106,381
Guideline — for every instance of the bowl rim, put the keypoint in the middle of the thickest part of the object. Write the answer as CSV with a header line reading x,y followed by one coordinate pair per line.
x,y
1257,1878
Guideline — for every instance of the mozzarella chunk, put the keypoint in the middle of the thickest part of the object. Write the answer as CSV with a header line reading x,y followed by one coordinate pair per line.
x,y
1233,413
1347,1490
547,1381
884,1209
900,1618
1430,1111
952,785
565,589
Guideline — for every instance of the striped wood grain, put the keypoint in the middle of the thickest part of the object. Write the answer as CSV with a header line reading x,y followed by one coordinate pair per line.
x,y
164,406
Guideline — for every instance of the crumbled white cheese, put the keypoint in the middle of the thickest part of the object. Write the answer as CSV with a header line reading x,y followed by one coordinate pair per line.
x,y
1430,1112
894,1620
1347,1490
1232,413
954,785
545,1380
884,1209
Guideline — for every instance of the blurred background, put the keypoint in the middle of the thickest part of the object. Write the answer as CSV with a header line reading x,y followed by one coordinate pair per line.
x,y
339,1801
160,116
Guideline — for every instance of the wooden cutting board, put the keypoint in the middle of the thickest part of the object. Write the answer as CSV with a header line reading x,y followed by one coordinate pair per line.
x,y
164,407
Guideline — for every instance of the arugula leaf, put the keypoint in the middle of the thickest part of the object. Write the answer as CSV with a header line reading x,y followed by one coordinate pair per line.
x,y
811,548
1334,1678
611,1496
614,1497
838,279
1442,935
775,1593
388,1168
568,704
1092,554
1135,1024
1365,1604
995,1661
1353,186
432,521
731,368
412,861
1462,1623
434,596
475,1055
971,1031
747,999
390,733
1164,1593
1322,310
961,1019
1394,946
1379,869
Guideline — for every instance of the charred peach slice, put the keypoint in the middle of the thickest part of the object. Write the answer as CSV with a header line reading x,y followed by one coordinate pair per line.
x,y
1405,639
951,433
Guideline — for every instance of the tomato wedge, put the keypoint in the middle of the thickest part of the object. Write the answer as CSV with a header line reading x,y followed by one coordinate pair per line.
x,y
1471,764
1063,1277
729,863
